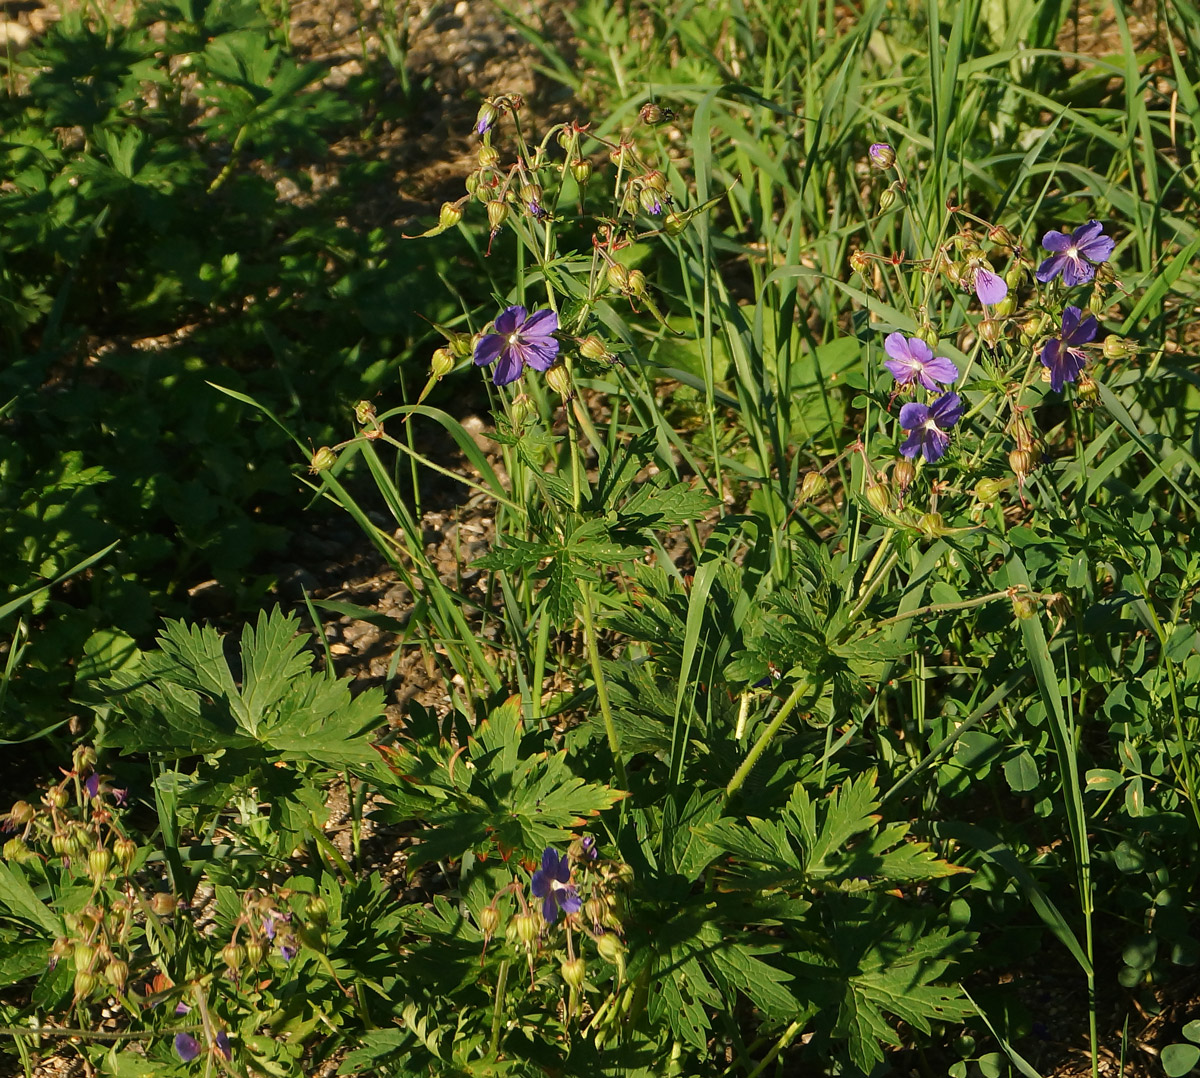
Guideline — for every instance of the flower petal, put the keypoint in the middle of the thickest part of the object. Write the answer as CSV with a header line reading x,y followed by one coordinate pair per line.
x,y
550,908
509,368
221,1040
540,884
896,345
934,443
940,369
913,415
1051,268
186,1047
903,370
947,410
1076,271
990,288
489,347
541,354
510,320
570,901
540,324
1057,241
911,445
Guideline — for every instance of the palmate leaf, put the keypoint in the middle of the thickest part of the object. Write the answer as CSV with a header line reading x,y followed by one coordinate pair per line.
x,y
507,788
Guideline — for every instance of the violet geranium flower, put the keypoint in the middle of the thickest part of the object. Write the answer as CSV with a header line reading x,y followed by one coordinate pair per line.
x,y
187,1047
988,286
927,426
1075,256
1060,355
913,361
221,1042
519,341
552,884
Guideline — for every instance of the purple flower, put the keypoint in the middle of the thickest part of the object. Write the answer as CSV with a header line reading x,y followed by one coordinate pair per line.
x,y
927,426
92,786
913,361
1075,256
1063,361
186,1047
588,846
552,884
221,1040
182,1008
519,341
989,287
120,797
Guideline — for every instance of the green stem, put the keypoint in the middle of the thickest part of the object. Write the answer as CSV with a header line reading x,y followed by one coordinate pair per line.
x,y
610,728
497,1009
778,1047
764,739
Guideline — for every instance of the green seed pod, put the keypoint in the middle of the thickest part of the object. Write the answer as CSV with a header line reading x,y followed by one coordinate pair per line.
x,y
163,904
83,955
887,199
99,862
1001,237
256,953
1023,607
488,156
1015,276
60,844
85,984
558,379
532,193
520,409
674,223
1114,348
323,459
497,213
1021,462
449,215
233,955
21,813
881,155
581,170
651,114
988,491
927,332
932,525
637,282
650,201
1086,389
618,277
813,486
573,972
904,473
991,331
117,973
859,262
1097,304
83,759
58,797
16,851
471,183
1005,307
654,180
364,413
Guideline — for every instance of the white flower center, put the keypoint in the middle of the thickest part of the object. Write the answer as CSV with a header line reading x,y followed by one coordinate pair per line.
x,y
1073,253
514,339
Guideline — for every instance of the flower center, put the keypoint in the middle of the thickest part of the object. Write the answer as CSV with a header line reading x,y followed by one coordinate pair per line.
x,y
1073,253
514,339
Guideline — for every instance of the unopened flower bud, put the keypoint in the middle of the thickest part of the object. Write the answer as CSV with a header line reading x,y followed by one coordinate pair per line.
x,y
58,797
618,277
654,180
581,170
814,485
1105,274
651,114
1023,607
21,813
558,379
485,118
117,973
233,955
592,347
497,213
637,282
674,223
573,972
449,215
83,955
596,909
1114,348
364,413
991,331
99,862
256,953
887,199
1001,237
1014,276
959,273
16,851
1097,304
927,332
882,156
618,153
317,911
610,947
520,409
904,473
531,194
83,758
1086,389
650,201
471,183
60,844
859,262
85,983
163,904
525,927
441,362
323,459
125,850
1005,307
878,497
1021,462
489,921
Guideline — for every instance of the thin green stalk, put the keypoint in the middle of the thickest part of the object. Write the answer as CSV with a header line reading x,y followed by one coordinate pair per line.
x,y
498,1007
765,738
